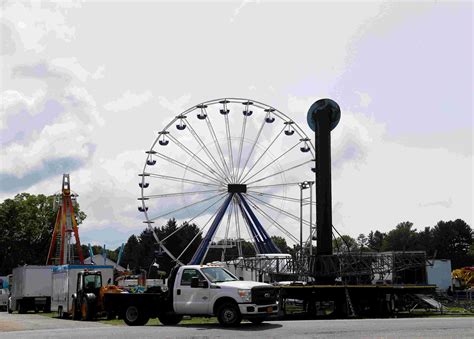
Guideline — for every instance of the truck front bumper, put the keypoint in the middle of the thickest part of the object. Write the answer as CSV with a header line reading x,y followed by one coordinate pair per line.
x,y
253,309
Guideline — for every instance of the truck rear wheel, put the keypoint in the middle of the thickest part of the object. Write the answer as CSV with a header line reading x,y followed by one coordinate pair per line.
x,y
229,315
135,316
170,319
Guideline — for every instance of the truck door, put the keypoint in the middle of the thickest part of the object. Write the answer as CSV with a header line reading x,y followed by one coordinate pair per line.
x,y
191,300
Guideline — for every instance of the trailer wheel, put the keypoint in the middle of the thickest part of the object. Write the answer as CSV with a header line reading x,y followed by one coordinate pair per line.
x,y
133,316
21,308
229,315
170,319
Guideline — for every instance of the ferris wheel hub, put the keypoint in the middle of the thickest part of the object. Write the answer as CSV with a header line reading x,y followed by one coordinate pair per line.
x,y
237,188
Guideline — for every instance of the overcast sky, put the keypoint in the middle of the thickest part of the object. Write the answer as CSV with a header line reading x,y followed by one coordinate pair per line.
x,y
85,86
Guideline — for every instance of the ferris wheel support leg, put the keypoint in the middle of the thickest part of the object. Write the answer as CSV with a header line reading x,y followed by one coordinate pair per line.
x,y
204,245
259,244
270,247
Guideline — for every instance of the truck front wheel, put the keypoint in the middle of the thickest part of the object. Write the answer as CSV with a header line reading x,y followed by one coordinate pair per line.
x,y
170,319
134,316
229,315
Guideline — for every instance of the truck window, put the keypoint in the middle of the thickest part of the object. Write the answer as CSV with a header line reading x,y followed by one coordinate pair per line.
x,y
218,274
189,274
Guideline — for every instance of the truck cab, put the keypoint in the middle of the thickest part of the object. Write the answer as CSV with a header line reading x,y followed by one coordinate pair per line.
x,y
213,290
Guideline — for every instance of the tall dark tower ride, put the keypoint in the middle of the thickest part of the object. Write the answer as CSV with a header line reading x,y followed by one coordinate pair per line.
x,y
323,116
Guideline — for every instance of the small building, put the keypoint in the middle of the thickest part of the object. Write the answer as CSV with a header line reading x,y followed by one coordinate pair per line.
x,y
439,273
98,259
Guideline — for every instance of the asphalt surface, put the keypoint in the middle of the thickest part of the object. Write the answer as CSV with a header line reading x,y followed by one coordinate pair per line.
x,y
36,326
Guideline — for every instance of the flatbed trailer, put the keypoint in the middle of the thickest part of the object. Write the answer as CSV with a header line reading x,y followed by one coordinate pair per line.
x,y
351,300
145,305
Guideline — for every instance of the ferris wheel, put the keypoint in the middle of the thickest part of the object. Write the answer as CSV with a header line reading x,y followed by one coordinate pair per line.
x,y
234,168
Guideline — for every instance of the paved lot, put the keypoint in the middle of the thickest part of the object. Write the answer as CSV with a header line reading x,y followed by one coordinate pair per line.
x,y
26,322
35,326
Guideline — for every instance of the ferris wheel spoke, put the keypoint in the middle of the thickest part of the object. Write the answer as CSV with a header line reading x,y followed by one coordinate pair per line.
x,y
261,156
229,145
187,206
242,136
273,161
159,242
188,181
280,172
273,185
276,196
197,215
176,194
271,220
239,174
288,214
218,146
186,167
199,160
206,150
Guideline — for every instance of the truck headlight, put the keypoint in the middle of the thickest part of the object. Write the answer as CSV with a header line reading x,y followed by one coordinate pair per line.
x,y
246,295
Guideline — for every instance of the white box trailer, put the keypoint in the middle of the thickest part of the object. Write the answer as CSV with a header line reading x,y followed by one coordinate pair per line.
x,y
30,289
65,284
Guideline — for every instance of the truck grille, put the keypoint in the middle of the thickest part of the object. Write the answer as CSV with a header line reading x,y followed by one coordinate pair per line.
x,y
264,295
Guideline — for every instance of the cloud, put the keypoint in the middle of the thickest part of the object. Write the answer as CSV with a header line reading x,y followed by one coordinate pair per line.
x,y
175,106
41,70
7,45
128,100
48,169
36,22
240,7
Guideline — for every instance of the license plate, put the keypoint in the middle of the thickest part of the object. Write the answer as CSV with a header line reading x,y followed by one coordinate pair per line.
x,y
269,309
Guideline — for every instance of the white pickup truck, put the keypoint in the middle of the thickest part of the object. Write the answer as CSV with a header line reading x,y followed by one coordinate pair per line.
x,y
198,290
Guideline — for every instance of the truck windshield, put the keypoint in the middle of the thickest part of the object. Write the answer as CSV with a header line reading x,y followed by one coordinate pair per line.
x,y
218,274
92,281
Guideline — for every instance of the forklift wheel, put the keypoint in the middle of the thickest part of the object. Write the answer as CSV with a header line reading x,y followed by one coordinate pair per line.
x,y
75,314
86,310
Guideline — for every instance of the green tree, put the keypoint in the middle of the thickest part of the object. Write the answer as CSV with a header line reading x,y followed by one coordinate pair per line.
x,y
402,238
26,226
280,242
345,243
452,240
375,240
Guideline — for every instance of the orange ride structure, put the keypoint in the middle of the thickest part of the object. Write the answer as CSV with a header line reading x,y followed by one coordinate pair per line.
x,y
61,250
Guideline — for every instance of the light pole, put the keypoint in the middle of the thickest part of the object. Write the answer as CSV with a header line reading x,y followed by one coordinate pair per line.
x,y
303,185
